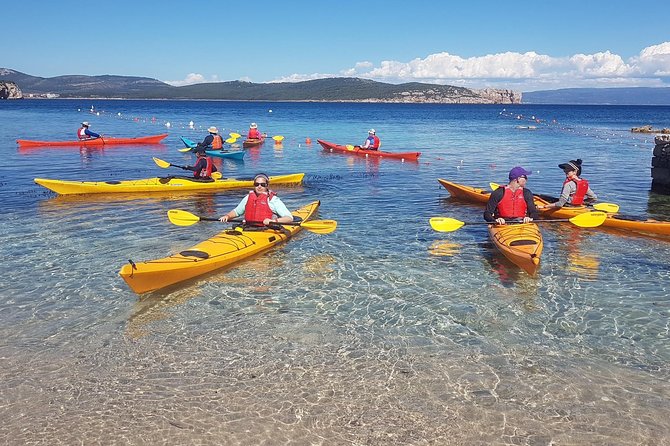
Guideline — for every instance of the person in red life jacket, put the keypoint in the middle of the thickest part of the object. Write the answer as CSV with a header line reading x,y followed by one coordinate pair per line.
x,y
204,166
261,206
85,133
254,133
576,190
513,201
213,141
372,142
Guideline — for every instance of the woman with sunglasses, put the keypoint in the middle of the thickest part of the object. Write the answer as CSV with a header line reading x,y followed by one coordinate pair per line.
x,y
261,207
513,201
576,190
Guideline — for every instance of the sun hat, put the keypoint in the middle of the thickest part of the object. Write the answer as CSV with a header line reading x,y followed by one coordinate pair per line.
x,y
85,123
213,130
517,172
372,131
253,125
572,165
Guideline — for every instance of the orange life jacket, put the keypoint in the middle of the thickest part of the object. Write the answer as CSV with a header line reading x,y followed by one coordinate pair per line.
x,y
217,142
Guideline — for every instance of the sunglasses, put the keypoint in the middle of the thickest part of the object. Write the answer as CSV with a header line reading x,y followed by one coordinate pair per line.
x,y
261,184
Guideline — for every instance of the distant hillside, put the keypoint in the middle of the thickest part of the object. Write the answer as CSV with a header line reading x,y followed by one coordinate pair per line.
x,y
600,96
333,89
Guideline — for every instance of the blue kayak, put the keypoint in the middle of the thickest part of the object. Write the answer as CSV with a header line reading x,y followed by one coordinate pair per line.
x,y
235,155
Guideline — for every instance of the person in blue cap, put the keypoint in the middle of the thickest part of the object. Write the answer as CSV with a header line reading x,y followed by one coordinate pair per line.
x,y
512,202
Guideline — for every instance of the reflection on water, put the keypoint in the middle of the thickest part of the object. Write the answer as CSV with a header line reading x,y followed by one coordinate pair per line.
x,y
446,248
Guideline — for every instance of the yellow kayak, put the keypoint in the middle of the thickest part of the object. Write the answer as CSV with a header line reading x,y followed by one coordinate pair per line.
x,y
224,249
520,243
159,184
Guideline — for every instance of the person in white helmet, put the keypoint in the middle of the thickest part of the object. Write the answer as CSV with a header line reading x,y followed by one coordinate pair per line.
x,y
372,142
254,133
85,133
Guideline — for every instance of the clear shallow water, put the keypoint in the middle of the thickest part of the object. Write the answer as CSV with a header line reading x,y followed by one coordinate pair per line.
x,y
383,332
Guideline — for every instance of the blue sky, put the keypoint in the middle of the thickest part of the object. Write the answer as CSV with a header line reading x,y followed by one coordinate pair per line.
x,y
521,45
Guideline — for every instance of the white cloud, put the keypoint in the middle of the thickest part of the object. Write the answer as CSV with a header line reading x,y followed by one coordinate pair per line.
x,y
193,78
520,71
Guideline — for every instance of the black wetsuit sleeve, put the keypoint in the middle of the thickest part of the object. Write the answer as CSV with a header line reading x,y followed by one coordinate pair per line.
x,y
492,205
530,204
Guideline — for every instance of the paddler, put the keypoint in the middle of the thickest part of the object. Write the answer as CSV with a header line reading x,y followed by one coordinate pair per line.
x,y
261,206
213,141
254,133
203,167
85,133
513,201
372,142
576,190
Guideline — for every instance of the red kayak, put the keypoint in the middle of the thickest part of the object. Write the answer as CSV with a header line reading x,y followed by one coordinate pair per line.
x,y
252,142
102,141
355,150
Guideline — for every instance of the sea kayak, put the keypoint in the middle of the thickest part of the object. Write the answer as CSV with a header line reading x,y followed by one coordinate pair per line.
x,y
252,142
354,150
520,243
102,141
228,154
224,249
160,184
618,221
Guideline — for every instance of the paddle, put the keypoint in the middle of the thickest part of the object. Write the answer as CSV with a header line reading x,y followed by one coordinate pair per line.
x,y
585,220
183,218
350,147
606,207
277,138
164,164
190,149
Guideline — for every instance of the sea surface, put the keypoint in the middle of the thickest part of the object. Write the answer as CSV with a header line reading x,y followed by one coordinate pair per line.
x,y
384,332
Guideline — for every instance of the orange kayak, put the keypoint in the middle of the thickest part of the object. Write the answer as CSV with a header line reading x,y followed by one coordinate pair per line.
x,y
520,243
617,221
102,141
252,142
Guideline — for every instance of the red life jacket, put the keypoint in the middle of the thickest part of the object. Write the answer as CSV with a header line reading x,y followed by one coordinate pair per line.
x,y
376,143
254,134
217,143
81,133
258,207
207,171
582,187
512,204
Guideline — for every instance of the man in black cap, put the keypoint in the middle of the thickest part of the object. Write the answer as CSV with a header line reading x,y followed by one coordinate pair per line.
x,y
204,166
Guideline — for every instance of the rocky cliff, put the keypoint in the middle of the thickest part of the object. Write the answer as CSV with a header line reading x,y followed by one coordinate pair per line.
x,y
9,90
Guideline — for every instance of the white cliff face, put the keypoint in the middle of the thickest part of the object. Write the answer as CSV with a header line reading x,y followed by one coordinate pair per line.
x,y
9,90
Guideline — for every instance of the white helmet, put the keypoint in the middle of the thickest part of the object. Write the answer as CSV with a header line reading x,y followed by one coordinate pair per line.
x,y
253,125
371,131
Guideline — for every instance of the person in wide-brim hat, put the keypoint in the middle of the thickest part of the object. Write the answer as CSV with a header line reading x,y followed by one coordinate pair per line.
x,y
512,202
575,191
213,141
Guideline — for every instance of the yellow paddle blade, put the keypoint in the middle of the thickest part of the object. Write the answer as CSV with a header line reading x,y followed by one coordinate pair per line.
x,y
231,140
589,219
494,186
278,138
161,163
216,175
350,147
235,135
320,226
607,207
185,149
445,224
182,218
